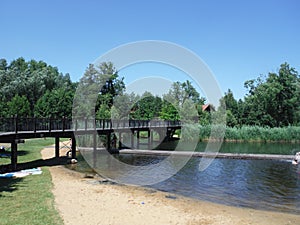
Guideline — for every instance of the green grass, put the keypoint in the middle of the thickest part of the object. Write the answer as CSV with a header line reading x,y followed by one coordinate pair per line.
x,y
28,200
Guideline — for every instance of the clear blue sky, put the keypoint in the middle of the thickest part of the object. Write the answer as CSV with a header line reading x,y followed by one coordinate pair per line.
x,y
238,40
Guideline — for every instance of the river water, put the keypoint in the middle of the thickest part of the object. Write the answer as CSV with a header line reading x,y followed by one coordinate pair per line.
x,y
258,184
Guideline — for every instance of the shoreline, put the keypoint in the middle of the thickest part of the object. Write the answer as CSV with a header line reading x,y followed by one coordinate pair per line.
x,y
82,200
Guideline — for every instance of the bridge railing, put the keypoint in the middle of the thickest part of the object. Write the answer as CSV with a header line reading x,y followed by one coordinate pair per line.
x,y
32,124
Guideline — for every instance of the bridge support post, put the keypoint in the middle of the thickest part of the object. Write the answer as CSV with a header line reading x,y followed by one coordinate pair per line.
x,y
73,148
14,155
108,142
56,147
120,140
138,139
132,139
94,149
149,140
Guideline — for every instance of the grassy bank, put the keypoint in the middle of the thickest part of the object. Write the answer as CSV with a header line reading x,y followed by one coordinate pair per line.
x,y
255,134
28,200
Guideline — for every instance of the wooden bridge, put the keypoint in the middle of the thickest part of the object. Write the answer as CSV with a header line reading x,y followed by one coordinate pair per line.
x,y
14,130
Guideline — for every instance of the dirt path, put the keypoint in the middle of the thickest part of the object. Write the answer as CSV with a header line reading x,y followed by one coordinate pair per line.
x,y
84,201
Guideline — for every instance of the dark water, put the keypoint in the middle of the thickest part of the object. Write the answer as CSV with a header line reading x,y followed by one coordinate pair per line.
x,y
259,184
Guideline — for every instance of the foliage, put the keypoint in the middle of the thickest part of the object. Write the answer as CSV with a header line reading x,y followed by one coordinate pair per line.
x,y
96,91
273,101
33,88
55,104
30,81
146,107
19,105
256,133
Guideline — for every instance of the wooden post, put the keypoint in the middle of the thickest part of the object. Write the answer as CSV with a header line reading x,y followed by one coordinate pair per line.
x,y
56,147
73,148
14,155
120,141
16,123
95,149
138,140
149,139
132,139
108,140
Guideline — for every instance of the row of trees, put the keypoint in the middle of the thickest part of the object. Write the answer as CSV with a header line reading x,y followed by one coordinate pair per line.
x,y
272,100
36,89
102,90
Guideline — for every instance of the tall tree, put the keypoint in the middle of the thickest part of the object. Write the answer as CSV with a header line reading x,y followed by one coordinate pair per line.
x,y
147,107
19,105
97,89
179,98
275,100
55,104
31,79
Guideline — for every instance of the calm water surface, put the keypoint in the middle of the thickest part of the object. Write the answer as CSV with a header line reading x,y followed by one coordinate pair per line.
x,y
259,184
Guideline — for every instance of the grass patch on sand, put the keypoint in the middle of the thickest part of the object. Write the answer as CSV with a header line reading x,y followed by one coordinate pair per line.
x,y
28,200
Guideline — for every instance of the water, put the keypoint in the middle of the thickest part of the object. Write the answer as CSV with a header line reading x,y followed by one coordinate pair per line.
x,y
259,184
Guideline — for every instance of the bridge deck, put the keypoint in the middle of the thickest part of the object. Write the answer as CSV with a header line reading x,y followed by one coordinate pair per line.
x,y
15,128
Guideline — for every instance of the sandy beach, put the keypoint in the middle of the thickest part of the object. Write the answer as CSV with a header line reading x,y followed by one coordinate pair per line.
x,y
81,200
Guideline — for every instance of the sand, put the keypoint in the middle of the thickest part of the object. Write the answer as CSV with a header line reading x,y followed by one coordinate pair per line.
x,y
81,200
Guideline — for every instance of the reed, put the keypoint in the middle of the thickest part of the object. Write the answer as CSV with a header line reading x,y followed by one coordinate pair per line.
x,y
256,133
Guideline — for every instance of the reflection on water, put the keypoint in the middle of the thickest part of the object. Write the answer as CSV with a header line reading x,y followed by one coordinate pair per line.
x,y
259,184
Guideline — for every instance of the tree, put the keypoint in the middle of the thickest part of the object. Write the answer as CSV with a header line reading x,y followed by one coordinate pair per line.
x,y
97,89
55,104
169,111
123,104
273,101
176,98
147,107
19,105
31,79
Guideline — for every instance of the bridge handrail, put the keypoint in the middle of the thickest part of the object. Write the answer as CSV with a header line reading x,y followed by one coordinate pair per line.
x,y
32,124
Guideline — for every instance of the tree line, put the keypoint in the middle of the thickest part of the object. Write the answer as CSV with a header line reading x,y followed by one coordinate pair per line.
x,y
34,88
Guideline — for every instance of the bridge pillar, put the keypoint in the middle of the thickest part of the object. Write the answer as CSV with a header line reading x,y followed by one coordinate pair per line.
x,y
132,139
95,149
14,155
73,148
108,141
149,140
56,147
120,140
138,140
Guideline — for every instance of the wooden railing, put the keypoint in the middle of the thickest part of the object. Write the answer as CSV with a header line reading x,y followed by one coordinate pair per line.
x,y
18,124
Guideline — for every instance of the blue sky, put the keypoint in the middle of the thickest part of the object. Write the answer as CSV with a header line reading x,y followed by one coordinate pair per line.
x,y
238,40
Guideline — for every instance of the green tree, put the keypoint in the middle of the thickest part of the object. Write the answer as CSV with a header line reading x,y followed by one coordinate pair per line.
x,y
179,98
123,104
31,79
147,107
19,105
274,100
55,104
169,111
96,91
